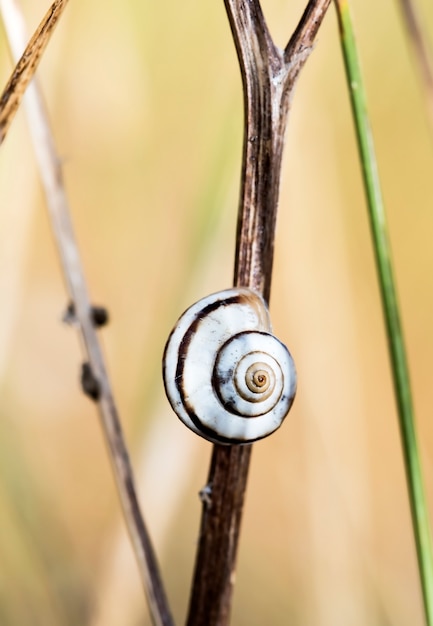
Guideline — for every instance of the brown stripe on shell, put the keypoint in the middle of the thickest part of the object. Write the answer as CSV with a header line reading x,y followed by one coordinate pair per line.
x,y
241,298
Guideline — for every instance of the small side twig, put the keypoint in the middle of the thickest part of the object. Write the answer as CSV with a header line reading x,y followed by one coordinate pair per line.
x,y
26,66
269,75
84,313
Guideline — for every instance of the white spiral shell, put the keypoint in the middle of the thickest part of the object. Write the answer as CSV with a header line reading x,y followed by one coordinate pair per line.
x,y
226,377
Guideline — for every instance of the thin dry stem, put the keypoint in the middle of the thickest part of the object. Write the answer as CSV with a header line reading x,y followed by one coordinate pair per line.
x,y
421,51
51,175
269,76
26,66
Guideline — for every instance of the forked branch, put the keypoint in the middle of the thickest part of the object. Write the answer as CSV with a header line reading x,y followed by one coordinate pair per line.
x,y
269,76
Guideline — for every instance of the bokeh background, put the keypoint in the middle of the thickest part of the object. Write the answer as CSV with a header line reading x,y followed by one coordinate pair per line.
x,y
146,106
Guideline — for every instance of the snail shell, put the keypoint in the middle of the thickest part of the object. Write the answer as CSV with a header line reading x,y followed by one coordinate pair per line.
x,y
226,376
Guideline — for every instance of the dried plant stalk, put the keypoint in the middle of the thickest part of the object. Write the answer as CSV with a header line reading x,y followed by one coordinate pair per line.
x,y
421,51
96,381
269,75
26,66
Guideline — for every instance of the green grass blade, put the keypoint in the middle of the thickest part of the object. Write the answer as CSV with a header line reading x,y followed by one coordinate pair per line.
x,y
398,359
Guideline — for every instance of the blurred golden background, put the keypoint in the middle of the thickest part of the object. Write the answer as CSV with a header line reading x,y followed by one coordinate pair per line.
x,y
146,107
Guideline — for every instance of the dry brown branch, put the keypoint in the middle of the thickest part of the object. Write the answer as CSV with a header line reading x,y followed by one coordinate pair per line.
x,y
95,376
269,75
421,51
26,66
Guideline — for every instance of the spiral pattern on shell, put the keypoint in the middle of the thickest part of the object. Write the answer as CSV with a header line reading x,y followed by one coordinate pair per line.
x,y
226,376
